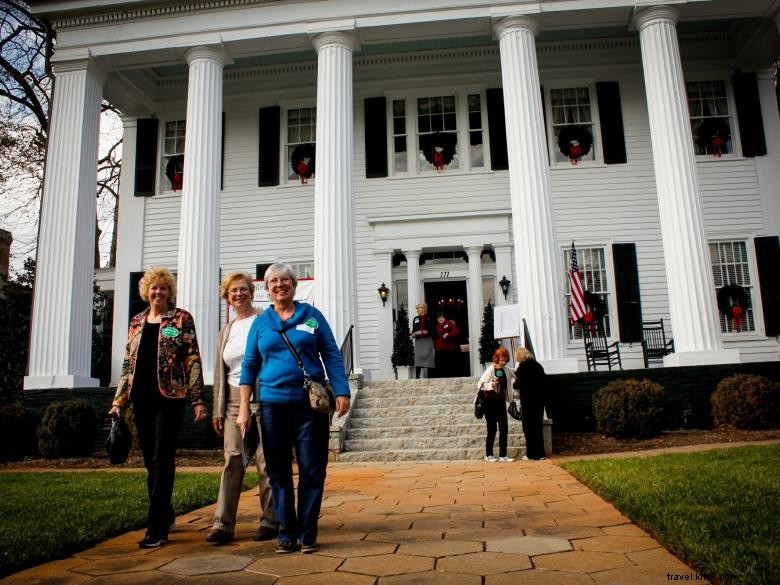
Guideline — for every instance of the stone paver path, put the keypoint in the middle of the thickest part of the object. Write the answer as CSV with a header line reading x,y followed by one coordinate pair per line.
x,y
453,523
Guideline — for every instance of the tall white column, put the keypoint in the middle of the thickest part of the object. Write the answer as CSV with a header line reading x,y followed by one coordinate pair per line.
x,y
334,215
129,244
769,166
474,295
414,297
538,259
198,263
697,337
61,340
503,268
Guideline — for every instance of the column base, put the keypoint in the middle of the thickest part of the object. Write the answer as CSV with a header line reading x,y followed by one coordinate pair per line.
x,y
702,358
561,366
59,381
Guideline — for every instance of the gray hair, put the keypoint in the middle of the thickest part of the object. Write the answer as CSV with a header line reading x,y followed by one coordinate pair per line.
x,y
280,268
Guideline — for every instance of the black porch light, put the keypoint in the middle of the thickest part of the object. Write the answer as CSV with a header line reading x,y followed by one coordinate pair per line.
x,y
504,284
383,293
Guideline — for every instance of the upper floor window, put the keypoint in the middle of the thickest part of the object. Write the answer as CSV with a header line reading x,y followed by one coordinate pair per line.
x,y
573,129
437,133
733,286
173,154
399,136
593,275
708,105
300,150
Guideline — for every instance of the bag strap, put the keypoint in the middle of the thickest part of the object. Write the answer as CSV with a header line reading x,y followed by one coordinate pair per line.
x,y
298,359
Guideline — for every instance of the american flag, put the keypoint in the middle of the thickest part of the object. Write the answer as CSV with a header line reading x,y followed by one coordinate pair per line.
x,y
577,301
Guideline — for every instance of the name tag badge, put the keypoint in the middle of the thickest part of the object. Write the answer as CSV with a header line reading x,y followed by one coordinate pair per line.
x,y
305,327
170,332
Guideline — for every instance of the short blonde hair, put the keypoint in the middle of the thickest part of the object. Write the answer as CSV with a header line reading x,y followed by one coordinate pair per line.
x,y
228,281
522,354
155,274
422,306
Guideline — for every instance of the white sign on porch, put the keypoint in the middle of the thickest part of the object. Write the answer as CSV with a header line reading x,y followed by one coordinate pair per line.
x,y
506,321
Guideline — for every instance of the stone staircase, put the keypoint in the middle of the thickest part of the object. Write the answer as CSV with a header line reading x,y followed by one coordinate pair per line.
x,y
419,420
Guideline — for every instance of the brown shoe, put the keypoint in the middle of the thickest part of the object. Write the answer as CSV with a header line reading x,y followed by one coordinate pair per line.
x,y
265,533
218,537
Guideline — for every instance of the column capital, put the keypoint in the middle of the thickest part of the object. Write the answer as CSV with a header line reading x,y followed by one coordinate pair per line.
x,y
337,38
656,15
84,64
412,254
474,250
208,53
519,22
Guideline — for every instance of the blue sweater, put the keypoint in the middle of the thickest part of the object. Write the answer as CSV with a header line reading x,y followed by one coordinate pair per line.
x,y
281,380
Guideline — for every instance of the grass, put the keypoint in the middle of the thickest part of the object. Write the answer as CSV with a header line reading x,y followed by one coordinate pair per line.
x,y
49,515
717,510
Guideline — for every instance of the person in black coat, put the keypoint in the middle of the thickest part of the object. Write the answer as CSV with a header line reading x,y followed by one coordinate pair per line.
x,y
530,382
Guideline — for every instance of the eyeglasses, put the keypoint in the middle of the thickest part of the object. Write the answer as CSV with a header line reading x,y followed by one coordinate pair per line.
x,y
235,291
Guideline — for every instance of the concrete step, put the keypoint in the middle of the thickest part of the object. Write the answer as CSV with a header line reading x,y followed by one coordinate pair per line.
x,y
446,454
424,420
414,442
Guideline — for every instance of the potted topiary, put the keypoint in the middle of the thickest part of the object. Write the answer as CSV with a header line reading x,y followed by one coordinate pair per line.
x,y
403,349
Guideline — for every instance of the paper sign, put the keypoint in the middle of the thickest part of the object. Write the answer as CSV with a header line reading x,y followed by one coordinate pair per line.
x,y
506,321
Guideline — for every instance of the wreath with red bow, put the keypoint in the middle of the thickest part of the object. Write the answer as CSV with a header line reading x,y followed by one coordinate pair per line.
x,y
439,148
174,170
732,302
597,309
302,161
575,142
714,134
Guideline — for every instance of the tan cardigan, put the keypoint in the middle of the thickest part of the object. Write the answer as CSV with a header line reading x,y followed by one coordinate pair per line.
x,y
221,392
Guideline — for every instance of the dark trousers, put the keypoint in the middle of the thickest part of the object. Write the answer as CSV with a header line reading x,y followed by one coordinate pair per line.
x,y
495,416
284,427
533,413
447,364
158,423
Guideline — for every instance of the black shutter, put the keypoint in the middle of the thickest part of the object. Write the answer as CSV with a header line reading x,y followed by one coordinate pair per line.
x,y
268,170
375,131
137,304
145,157
629,305
611,118
768,262
751,124
497,128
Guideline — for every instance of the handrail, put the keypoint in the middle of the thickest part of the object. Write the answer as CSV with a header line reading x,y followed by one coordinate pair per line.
x,y
347,351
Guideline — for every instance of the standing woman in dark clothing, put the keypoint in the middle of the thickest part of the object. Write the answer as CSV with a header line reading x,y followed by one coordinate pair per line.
x,y
530,381
161,369
446,345
423,342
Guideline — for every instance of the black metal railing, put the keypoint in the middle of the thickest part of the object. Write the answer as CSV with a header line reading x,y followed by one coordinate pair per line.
x,y
347,351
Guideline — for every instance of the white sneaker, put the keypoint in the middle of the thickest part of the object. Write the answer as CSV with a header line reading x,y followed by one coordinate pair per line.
x,y
525,458
506,459
490,458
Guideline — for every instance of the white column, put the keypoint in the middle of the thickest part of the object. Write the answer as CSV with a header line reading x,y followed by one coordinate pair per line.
x,y
697,337
414,297
198,263
503,254
61,340
129,245
538,259
474,296
334,215
769,166
383,261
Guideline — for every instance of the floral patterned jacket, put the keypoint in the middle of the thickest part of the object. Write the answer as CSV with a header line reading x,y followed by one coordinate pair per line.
x,y
179,369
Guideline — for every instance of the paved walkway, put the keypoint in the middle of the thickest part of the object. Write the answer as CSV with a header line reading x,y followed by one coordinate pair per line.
x,y
453,523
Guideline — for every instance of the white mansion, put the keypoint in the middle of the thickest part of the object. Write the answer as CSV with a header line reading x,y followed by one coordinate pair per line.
x,y
433,147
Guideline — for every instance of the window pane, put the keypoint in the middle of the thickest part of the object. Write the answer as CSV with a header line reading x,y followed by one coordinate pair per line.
x,y
399,144
423,106
437,123
475,120
399,108
424,124
474,103
449,122
399,125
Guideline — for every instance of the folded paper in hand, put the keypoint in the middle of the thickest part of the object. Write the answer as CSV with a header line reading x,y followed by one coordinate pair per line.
x,y
251,440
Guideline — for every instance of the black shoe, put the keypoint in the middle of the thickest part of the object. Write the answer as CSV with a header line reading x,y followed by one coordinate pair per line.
x,y
218,536
285,547
307,549
151,542
265,533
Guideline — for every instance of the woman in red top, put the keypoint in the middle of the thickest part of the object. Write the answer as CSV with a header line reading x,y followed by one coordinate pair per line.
x,y
446,346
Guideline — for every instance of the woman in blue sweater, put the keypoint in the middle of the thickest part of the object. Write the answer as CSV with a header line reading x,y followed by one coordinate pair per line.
x,y
286,418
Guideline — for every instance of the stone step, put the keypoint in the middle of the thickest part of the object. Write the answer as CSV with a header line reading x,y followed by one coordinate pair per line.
x,y
422,385
445,454
383,391
391,410
418,420
470,440
414,400
436,428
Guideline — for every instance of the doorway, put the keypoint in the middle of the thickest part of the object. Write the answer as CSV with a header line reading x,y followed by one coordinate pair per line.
x,y
449,297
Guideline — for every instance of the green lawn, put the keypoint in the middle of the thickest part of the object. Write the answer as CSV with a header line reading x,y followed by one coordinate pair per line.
x,y
48,515
717,510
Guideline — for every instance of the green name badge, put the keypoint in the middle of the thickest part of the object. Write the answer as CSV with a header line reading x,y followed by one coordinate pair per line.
x,y
170,332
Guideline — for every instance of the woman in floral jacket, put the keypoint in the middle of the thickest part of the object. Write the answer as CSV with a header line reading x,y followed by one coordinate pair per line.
x,y
162,368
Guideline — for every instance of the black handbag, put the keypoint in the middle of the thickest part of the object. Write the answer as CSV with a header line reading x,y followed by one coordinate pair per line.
x,y
514,411
479,405
119,441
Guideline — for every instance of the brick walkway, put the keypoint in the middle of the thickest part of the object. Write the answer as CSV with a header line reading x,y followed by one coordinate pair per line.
x,y
453,523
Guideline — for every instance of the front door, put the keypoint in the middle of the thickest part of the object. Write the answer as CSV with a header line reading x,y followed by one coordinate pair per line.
x,y
449,297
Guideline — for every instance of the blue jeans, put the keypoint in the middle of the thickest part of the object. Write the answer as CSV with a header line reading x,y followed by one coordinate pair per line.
x,y
283,427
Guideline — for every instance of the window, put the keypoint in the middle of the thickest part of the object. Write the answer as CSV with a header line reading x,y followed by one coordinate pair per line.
x,y
573,129
303,269
731,271
437,133
301,134
399,136
173,154
708,106
593,275
476,153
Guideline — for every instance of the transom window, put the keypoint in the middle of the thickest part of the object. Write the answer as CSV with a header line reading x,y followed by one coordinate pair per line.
x,y
173,154
731,272
572,125
593,275
301,135
708,106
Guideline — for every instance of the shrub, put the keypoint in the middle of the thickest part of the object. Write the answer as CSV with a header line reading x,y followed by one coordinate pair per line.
x,y
629,408
746,402
17,432
67,429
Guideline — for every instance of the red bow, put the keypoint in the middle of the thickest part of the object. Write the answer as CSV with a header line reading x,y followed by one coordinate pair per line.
x,y
575,152
717,145
178,181
736,313
303,171
438,160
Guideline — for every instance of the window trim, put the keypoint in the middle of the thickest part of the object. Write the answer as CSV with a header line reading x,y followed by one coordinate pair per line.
x,y
736,139
284,164
755,286
609,274
162,158
552,145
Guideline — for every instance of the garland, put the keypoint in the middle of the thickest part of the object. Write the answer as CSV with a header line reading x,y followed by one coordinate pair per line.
x,y
575,142
732,302
174,170
439,148
713,135
597,309
302,161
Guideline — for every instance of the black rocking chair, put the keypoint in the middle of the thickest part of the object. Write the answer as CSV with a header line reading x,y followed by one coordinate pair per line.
x,y
598,350
654,343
